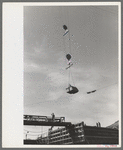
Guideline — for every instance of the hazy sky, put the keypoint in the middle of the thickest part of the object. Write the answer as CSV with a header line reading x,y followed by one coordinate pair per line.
x,y
94,50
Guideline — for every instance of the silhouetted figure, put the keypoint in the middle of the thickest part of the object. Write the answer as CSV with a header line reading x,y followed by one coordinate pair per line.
x,y
99,124
82,123
53,117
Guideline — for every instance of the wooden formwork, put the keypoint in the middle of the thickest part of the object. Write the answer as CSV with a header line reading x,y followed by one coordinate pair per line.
x,y
82,134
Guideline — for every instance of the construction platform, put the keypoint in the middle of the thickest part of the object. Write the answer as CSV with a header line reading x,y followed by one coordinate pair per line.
x,y
34,120
42,123
78,133
81,134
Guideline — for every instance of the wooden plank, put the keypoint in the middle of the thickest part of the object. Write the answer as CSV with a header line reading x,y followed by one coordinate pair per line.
x,y
43,123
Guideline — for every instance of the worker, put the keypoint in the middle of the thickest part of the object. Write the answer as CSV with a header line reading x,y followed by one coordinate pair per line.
x,y
99,125
53,117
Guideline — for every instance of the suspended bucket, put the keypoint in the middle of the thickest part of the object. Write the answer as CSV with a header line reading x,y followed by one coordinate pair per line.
x,y
68,56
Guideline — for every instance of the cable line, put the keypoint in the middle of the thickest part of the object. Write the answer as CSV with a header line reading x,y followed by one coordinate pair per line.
x,y
70,89
32,134
93,91
107,86
36,132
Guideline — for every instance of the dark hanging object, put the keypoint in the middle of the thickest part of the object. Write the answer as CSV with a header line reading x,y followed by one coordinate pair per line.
x,y
91,91
68,56
72,90
88,92
64,27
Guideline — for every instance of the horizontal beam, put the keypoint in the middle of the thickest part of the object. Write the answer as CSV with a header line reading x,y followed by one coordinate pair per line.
x,y
43,123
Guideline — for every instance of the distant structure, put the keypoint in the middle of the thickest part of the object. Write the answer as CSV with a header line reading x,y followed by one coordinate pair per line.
x,y
114,125
34,120
80,134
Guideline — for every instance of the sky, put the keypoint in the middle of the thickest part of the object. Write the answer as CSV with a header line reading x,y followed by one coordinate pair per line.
x,y
93,46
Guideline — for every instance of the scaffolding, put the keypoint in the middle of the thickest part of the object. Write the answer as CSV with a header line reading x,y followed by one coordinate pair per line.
x,y
80,134
34,120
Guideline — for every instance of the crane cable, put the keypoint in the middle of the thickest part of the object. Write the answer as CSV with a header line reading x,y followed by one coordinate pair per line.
x,y
106,86
70,77
70,73
36,132
56,101
92,91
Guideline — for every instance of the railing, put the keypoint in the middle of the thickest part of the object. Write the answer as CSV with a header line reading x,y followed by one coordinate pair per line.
x,y
43,118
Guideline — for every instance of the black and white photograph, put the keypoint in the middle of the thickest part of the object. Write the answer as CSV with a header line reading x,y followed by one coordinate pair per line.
x,y
71,74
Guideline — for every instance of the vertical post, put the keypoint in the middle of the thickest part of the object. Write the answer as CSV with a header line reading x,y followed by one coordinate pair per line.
x,y
26,134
